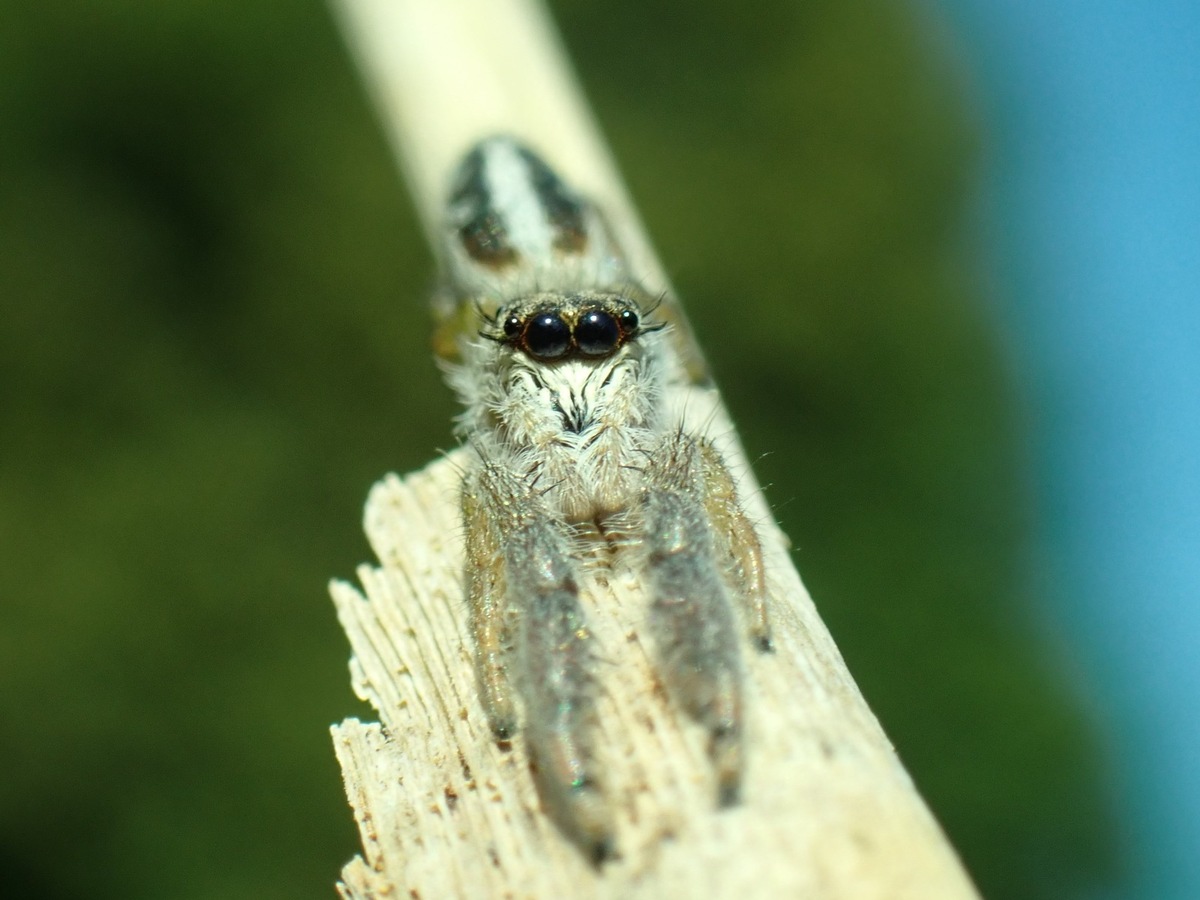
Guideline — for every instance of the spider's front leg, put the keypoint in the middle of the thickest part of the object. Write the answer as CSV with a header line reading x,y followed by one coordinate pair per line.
x,y
701,547
530,632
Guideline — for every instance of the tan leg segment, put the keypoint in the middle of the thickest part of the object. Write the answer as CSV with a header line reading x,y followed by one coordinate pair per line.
x,y
737,539
486,601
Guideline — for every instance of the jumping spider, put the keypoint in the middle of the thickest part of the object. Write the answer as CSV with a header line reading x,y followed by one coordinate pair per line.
x,y
564,372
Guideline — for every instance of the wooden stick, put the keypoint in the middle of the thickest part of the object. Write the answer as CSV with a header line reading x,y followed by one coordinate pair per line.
x,y
828,811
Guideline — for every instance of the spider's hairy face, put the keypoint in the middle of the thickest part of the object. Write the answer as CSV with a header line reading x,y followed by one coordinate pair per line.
x,y
571,394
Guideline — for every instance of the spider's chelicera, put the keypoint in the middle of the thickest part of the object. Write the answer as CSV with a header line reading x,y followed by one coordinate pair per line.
x,y
567,383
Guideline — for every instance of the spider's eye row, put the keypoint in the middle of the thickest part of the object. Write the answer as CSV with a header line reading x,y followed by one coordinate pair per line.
x,y
547,336
597,333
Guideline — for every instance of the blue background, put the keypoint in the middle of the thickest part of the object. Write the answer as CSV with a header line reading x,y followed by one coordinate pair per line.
x,y
1092,220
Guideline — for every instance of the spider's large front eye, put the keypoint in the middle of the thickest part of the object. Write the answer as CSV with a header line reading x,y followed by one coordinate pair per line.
x,y
547,336
597,333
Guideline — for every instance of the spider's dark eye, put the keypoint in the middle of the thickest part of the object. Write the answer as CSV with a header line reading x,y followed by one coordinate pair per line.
x,y
512,326
547,336
629,321
597,333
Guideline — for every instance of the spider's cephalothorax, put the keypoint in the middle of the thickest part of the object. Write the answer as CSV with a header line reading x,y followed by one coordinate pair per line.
x,y
566,374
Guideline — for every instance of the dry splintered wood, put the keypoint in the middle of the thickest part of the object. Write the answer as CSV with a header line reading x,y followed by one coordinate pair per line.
x,y
443,811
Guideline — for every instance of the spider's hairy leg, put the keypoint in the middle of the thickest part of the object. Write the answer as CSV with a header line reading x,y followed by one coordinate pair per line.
x,y
487,606
738,541
550,661
691,612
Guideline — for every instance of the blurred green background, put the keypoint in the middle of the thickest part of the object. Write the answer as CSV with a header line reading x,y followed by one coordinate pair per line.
x,y
213,339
